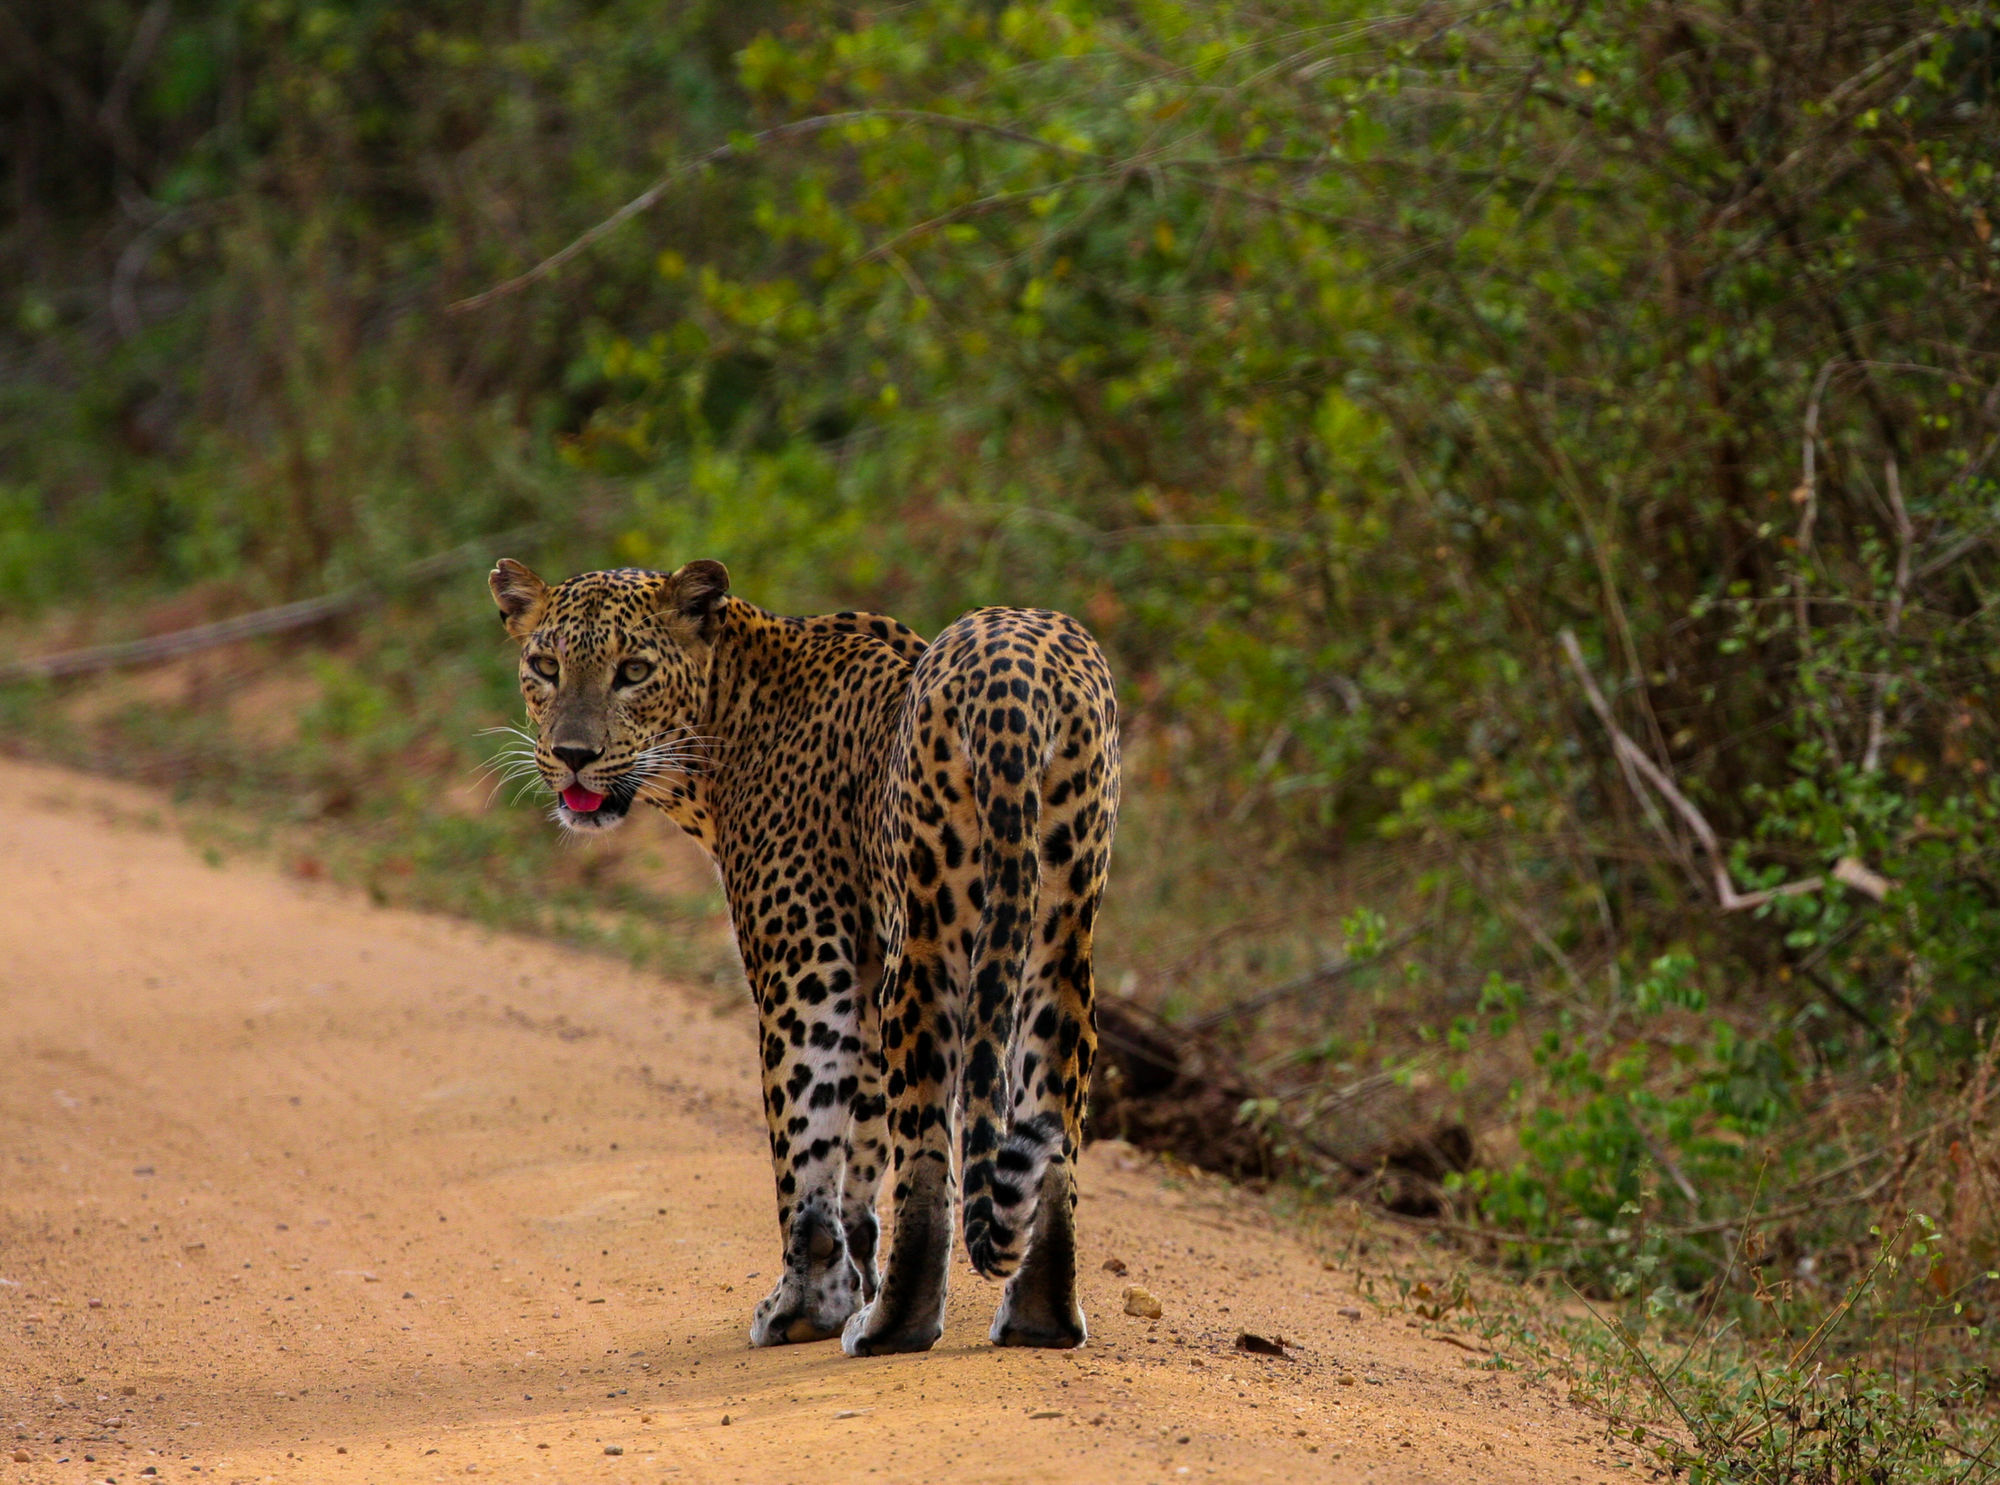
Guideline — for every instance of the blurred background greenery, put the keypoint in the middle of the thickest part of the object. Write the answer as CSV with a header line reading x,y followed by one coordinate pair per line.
x,y
1331,362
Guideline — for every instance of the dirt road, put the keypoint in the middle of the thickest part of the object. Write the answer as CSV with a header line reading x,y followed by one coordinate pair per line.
x,y
296,1188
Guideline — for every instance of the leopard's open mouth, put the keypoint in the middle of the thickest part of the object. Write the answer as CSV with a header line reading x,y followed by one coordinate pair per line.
x,y
582,808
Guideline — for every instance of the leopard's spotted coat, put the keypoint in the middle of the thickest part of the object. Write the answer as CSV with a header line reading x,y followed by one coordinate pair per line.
x,y
913,840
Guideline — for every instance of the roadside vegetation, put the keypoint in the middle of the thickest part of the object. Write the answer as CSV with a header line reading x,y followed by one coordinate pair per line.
x,y
1531,464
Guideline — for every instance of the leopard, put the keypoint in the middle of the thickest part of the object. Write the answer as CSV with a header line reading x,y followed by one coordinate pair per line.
x,y
913,839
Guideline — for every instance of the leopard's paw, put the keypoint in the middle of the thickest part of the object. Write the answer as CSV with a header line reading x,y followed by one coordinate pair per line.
x,y
806,1307
871,1331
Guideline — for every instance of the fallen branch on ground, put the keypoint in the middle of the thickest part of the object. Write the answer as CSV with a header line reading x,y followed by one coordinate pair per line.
x,y
282,619
1314,979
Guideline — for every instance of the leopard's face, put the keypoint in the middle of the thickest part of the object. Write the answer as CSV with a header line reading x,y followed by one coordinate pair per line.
x,y
614,671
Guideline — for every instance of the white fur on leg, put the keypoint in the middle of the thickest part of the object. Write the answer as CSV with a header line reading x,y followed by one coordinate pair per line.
x,y
857,1323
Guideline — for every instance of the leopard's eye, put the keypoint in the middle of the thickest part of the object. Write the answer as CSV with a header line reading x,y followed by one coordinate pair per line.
x,y
634,671
544,666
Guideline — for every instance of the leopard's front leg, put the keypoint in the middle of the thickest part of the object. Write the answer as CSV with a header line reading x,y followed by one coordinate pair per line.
x,y
810,1030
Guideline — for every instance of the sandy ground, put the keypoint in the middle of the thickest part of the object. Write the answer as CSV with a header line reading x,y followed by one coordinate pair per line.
x,y
296,1188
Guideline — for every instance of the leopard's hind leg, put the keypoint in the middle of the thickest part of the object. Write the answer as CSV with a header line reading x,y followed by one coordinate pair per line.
x,y
907,1313
1052,1077
1057,1039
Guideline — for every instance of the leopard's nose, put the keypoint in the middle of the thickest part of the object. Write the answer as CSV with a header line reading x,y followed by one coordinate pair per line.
x,y
577,758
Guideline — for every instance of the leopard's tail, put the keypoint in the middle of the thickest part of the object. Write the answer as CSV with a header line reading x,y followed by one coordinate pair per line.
x,y
1003,1159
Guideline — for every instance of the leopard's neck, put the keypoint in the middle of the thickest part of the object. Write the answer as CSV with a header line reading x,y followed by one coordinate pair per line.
x,y
792,705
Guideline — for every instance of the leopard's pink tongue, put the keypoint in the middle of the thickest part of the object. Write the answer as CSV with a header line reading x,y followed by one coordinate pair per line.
x,y
580,799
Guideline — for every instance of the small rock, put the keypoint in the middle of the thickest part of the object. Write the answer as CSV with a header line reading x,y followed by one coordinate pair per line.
x,y
844,1413
341,1450
97,1304
149,1470
1348,1312
617,1448
1139,1302
128,1391
1258,1345
1347,1379
406,1293
1047,1413
725,1420
1114,1265
22,1456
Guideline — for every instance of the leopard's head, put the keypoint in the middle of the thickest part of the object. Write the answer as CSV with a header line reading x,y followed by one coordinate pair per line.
x,y
614,669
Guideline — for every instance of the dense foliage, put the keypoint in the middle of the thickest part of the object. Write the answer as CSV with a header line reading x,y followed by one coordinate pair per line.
x,y
1333,364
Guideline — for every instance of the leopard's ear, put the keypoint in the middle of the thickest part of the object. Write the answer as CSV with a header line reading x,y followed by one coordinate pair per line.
x,y
695,592
520,594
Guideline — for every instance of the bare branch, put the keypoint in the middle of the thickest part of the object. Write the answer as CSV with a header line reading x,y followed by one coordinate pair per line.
x,y
797,129
138,55
1807,498
1851,871
984,206
1830,109
137,253
819,123
1871,759
1634,759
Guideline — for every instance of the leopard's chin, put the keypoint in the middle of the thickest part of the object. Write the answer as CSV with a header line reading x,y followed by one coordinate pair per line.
x,y
597,821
